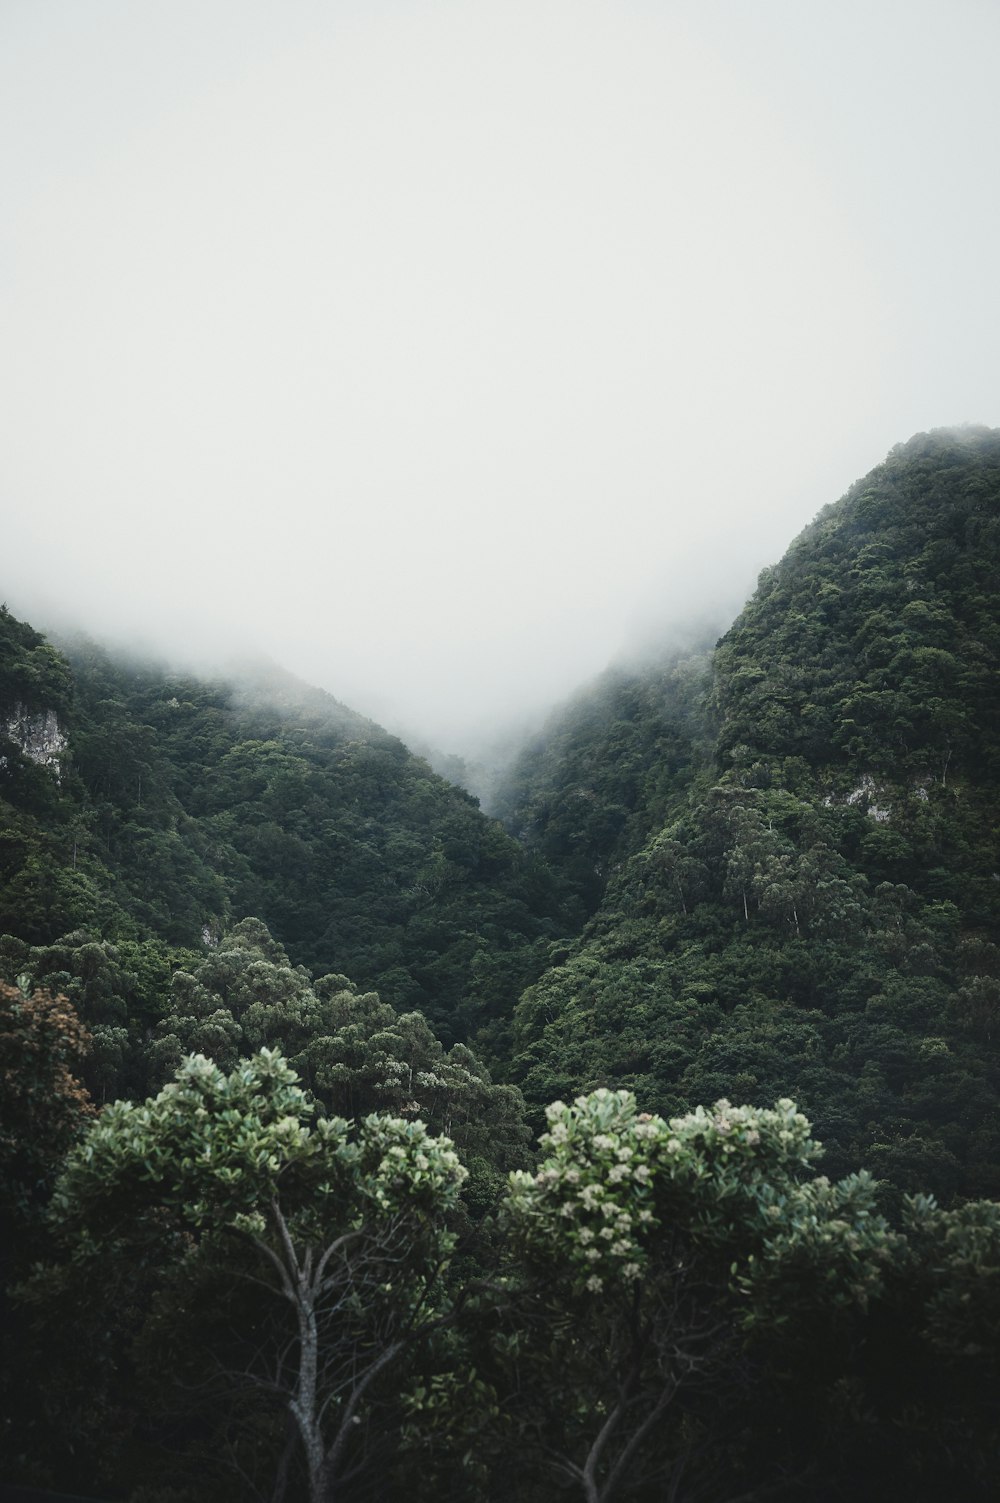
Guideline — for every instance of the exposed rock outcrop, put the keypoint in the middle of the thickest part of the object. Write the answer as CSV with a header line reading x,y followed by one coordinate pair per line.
x,y
38,735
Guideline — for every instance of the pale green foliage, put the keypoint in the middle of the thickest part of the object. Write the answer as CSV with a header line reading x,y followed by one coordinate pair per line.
x,y
218,1148
354,1052
678,1244
732,1177
224,1178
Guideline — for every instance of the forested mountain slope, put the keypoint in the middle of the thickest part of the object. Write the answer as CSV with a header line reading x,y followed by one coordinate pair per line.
x,y
608,769
273,1277
820,918
167,807
787,850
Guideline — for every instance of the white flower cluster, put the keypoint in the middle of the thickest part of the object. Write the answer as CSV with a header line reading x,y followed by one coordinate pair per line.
x,y
780,1133
410,1160
596,1185
607,1167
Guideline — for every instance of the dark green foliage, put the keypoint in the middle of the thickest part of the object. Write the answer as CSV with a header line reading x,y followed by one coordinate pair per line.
x,y
271,799
355,1053
608,769
763,875
44,1109
32,674
880,624
751,1329
120,988
43,1106
311,1253
179,805
819,918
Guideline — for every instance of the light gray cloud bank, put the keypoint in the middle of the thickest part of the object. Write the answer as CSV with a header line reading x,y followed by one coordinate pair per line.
x,y
428,347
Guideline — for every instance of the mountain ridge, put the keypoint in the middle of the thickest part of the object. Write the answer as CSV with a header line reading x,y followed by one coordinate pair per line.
x,y
764,869
820,917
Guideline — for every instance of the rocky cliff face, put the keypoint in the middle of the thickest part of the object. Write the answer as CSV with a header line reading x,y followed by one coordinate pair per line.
x,y
36,734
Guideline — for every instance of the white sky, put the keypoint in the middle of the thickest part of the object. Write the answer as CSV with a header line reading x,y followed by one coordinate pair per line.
x,y
439,349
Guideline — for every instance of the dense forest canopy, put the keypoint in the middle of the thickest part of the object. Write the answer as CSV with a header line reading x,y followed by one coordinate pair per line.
x,y
818,915
282,1013
182,806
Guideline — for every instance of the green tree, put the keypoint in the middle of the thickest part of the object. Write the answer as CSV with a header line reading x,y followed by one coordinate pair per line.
x,y
44,1109
655,1252
43,1106
342,1231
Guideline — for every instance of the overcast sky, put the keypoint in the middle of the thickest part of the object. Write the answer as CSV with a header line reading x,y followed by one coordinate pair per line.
x,y
439,350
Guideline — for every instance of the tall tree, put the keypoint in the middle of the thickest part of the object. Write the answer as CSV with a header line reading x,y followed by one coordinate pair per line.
x,y
222,1182
656,1252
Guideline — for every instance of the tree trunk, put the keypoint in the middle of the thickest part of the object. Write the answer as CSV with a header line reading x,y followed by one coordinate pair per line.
x,y
303,1405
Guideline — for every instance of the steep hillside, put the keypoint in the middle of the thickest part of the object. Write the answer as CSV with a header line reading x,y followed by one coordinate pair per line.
x,y
786,860
787,853
820,920
608,769
166,808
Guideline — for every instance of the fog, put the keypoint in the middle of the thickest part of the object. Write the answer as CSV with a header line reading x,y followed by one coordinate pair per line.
x,y
444,351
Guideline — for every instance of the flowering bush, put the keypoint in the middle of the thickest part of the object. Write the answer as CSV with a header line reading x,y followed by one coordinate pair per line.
x,y
218,1147
343,1227
615,1184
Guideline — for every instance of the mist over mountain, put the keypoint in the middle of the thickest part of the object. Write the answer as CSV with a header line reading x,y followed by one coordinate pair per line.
x,y
317,348
814,905
766,798
499,895
752,871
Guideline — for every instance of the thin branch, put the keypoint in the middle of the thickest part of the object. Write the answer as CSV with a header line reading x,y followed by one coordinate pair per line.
x,y
340,1439
627,1454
